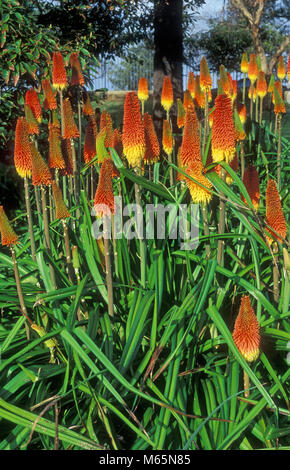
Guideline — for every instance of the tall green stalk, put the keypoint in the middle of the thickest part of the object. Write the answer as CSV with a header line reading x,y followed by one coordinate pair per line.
x,y
46,230
109,280
29,219
221,226
279,152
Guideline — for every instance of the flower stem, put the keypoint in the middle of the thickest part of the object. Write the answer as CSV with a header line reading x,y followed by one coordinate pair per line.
x,y
279,153
108,265
46,231
67,251
246,385
221,226
29,219
19,291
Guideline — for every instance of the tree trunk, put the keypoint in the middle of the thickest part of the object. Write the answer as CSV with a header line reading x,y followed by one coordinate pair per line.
x,y
168,56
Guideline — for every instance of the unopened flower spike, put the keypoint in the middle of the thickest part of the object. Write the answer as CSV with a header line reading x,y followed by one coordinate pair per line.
x,y
251,183
90,140
59,76
49,101
274,213
77,77
167,138
8,236
41,174
61,211
223,130
70,130
246,333
143,93
190,146
167,94
31,100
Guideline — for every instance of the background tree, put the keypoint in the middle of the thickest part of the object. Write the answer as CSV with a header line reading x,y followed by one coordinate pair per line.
x,y
259,13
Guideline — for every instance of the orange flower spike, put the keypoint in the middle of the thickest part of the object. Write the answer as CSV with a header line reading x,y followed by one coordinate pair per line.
x,y
288,68
152,145
87,107
253,68
199,194
107,124
22,149
40,171
49,101
223,130
199,96
61,211
55,158
167,139
251,183
90,140
235,90
191,84
77,77
180,113
8,236
187,100
59,77
104,193
274,213
279,106
242,110
190,146
261,84
133,138
246,333
180,176
244,63
117,141
70,130
31,99
205,78
67,156
281,69
225,82
143,93
101,150
231,82
167,94
32,124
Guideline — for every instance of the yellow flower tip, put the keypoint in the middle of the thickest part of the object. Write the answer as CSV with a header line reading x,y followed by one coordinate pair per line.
x,y
143,93
281,69
167,94
253,68
244,63
199,193
8,236
246,333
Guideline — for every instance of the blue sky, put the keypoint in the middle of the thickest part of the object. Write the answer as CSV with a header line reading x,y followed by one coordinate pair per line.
x,y
210,8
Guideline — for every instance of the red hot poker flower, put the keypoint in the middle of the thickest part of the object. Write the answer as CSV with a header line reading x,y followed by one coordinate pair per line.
x,y
22,149
167,93
251,182
70,130
151,141
246,333
205,78
199,194
190,146
223,130
77,77
40,171
104,193
253,68
59,77
167,139
191,83
32,124
8,236
61,211
181,113
31,99
244,63
67,156
87,107
55,158
281,70
143,93
133,137
90,140
274,213
49,101
261,84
